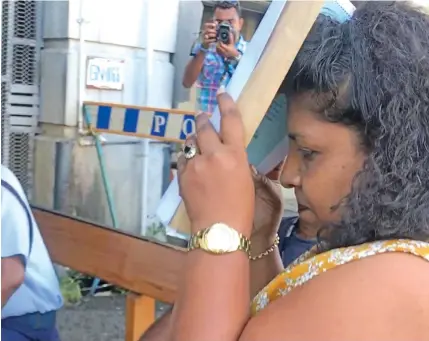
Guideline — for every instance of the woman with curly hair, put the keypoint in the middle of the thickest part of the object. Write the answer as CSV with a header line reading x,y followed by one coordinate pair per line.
x,y
359,163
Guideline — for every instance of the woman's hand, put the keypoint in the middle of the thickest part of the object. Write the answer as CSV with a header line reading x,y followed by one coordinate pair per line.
x,y
268,212
216,184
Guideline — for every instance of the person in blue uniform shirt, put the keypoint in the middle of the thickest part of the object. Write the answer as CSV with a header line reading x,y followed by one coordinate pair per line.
x,y
30,292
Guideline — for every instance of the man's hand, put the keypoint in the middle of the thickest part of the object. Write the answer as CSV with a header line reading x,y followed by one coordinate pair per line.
x,y
209,34
228,50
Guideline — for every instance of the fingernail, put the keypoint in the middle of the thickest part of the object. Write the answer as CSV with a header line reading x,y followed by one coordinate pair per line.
x,y
221,90
255,172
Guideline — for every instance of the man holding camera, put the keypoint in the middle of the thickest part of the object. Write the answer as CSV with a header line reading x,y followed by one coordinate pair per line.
x,y
216,56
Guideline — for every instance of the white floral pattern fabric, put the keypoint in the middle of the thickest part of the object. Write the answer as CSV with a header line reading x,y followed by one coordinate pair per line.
x,y
310,264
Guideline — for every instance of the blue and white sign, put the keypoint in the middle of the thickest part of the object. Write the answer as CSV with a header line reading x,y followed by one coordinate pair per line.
x,y
102,73
161,124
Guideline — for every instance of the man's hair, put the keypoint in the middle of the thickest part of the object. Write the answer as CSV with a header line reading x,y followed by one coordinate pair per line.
x,y
229,4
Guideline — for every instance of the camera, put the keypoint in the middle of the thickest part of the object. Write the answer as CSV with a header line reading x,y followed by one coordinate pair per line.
x,y
223,31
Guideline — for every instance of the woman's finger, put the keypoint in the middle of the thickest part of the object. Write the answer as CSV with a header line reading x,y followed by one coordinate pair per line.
x,y
181,170
231,125
274,174
181,163
207,138
191,142
257,177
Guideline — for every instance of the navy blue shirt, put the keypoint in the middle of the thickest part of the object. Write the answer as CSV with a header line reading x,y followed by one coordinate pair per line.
x,y
291,246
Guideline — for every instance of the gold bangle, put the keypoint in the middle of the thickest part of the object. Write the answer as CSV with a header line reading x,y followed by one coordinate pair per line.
x,y
267,251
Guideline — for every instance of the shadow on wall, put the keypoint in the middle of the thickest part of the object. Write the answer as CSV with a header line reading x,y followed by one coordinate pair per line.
x,y
123,169
68,179
92,199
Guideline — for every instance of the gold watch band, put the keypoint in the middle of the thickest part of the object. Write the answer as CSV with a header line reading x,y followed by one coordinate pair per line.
x,y
229,240
198,241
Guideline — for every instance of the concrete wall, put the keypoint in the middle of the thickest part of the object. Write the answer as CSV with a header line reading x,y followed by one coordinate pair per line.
x,y
67,171
113,29
72,183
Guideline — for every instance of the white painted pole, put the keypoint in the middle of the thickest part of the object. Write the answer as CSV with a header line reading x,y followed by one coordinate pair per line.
x,y
146,146
81,67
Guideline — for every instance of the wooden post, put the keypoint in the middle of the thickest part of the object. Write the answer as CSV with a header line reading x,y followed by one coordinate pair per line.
x,y
139,315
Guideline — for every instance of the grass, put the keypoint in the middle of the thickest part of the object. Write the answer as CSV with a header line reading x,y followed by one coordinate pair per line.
x,y
70,290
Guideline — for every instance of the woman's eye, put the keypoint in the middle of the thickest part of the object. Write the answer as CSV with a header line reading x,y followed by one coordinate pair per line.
x,y
307,154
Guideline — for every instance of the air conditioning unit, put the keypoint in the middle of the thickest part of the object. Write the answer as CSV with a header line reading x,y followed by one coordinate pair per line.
x,y
21,45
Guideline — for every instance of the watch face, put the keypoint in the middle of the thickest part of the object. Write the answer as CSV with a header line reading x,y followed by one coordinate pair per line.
x,y
221,238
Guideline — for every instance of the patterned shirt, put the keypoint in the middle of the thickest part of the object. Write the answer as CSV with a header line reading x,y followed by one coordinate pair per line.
x,y
215,72
311,264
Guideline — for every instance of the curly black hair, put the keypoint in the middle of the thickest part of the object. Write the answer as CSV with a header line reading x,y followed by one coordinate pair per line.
x,y
372,74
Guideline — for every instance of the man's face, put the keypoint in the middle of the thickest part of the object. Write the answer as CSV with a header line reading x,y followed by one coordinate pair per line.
x,y
231,16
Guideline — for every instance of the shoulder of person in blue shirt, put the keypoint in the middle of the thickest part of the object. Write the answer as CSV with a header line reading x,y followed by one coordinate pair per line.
x,y
291,246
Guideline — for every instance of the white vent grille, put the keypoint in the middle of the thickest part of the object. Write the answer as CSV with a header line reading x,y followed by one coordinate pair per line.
x,y
5,37
5,126
25,20
21,44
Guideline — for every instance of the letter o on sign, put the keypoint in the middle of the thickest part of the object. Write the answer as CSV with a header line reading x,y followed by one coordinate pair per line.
x,y
188,126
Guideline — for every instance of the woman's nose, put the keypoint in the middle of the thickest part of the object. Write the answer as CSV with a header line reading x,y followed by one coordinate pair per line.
x,y
290,176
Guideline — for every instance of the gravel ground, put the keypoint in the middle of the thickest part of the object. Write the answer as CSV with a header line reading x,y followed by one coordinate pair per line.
x,y
95,319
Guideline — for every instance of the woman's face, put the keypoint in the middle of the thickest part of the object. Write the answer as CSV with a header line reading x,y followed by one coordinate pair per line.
x,y
322,161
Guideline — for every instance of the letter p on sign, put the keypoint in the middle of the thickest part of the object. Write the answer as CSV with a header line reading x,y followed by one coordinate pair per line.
x,y
159,123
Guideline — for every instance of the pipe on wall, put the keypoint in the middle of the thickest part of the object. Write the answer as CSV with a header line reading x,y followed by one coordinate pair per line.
x,y
63,166
81,66
148,100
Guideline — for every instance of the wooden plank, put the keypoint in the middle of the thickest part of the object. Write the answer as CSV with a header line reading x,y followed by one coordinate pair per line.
x,y
289,33
131,262
139,315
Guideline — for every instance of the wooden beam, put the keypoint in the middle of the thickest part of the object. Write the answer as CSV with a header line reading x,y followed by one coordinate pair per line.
x,y
289,33
139,315
131,262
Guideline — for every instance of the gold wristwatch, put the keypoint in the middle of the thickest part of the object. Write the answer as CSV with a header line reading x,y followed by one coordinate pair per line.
x,y
219,239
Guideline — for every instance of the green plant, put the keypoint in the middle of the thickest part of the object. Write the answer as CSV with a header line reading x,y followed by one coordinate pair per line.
x,y
157,230
70,290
